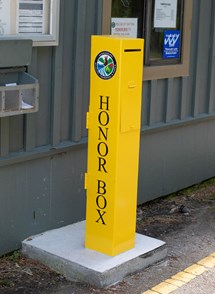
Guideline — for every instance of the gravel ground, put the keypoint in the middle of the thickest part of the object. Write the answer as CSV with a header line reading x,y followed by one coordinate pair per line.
x,y
184,220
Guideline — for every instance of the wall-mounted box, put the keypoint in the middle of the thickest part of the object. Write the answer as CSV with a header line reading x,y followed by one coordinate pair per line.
x,y
19,93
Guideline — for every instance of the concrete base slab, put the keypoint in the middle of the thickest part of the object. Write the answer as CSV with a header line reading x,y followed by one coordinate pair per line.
x,y
63,251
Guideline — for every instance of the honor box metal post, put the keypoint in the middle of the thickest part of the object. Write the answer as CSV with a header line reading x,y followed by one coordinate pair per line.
x,y
113,123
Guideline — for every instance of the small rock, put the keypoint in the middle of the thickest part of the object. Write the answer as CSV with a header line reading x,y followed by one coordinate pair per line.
x,y
183,209
17,266
173,210
28,271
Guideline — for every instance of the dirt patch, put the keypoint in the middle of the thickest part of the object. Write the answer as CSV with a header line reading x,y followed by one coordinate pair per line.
x,y
21,275
176,211
180,218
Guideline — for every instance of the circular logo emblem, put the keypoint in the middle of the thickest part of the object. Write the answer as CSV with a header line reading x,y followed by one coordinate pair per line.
x,y
105,65
113,25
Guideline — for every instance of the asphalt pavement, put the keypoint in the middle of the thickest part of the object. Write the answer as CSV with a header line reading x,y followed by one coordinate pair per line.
x,y
196,279
203,284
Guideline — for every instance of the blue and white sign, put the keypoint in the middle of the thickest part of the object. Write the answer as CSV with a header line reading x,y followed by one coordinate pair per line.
x,y
171,46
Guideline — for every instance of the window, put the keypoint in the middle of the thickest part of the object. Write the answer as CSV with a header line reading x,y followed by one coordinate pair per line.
x,y
163,32
129,13
31,19
164,24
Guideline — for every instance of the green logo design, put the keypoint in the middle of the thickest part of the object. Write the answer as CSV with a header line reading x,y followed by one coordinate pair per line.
x,y
105,65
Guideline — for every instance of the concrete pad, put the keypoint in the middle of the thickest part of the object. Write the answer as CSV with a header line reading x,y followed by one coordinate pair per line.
x,y
63,251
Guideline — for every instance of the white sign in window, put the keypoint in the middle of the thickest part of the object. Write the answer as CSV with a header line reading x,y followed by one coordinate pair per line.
x,y
34,19
165,13
126,27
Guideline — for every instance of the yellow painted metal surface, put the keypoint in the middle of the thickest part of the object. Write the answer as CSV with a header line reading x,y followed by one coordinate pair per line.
x,y
113,123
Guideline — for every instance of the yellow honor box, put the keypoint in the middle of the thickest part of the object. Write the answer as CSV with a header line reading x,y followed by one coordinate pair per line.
x,y
113,123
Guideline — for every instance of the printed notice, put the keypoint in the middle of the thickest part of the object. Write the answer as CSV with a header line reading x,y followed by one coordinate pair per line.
x,y
126,27
33,16
25,17
165,13
5,17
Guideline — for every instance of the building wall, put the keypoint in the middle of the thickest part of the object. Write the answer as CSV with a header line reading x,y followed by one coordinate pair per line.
x,y
177,137
43,155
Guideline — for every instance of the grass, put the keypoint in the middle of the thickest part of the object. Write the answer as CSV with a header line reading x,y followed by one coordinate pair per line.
x,y
14,256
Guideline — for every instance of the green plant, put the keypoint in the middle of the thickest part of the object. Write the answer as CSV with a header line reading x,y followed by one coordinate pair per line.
x,y
15,256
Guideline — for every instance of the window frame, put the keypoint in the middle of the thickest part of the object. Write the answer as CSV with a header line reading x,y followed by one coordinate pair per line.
x,y
50,39
153,72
